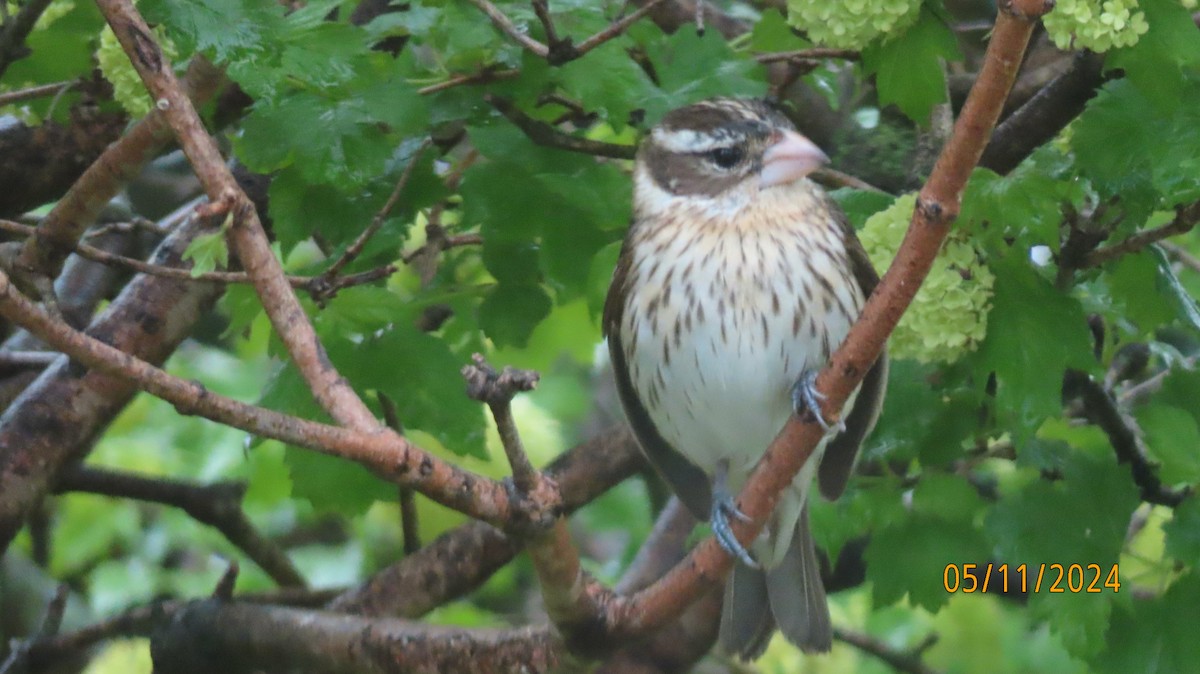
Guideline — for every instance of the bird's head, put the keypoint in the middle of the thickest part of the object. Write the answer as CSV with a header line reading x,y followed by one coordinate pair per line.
x,y
723,144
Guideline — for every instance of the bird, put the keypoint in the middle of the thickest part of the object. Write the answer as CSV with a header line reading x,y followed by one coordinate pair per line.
x,y
737,279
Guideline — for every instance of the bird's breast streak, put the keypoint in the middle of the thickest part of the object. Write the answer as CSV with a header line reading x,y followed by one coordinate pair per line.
x,y
728,322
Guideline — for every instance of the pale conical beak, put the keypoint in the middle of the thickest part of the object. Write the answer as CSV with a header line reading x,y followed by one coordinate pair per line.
x,y
790,158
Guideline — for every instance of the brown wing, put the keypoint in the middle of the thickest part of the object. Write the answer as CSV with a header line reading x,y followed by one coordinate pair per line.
x,y
838,462
688,481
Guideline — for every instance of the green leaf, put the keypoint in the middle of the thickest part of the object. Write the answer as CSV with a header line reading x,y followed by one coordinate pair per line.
x,y
693,67
1183,533
511,311
772,33
1080,519
1132,149
909,69
600,278
207,252
1157,65
222,28
1029,380
910,557
858,205
1173,436
1183,301
1023,205
330,483
1135,283
1155,636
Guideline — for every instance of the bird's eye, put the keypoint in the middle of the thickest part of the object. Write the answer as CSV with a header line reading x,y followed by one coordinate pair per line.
x,y
726,157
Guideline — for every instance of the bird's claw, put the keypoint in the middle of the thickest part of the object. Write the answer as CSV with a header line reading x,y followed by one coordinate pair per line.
x,y
722,509
807,399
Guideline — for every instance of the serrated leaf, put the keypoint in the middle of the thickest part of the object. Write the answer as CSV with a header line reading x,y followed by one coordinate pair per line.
x,y
692,67
1029,380
909,69
1134,282
222,28
608,80
1155,636
1080,519
334,484
772,33
1172,436
207,252
1157,64
510,312
1183,533
1132,149
909,557
858,205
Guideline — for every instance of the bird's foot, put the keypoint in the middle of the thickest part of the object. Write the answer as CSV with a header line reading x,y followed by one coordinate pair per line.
x,y
723,507
806,399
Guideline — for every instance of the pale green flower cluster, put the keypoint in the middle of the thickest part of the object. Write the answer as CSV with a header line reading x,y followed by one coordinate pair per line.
x,y
1098,25
948,317
851,24
116,68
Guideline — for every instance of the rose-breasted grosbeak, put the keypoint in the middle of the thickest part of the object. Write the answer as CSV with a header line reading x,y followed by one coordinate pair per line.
x,y
738,278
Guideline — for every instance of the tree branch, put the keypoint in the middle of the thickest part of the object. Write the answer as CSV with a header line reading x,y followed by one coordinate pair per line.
x,y
389,455
329,388
1102,410
327,280
902,661
506,26
219,505
1185,219
546,135
16,29
10,97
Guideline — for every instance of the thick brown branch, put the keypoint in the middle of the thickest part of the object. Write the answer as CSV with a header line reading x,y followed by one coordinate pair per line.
x,y
55,420
219,505
462,559
43,254
386,453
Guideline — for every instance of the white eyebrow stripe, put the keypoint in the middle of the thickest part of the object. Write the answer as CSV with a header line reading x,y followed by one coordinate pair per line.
x,y
687,141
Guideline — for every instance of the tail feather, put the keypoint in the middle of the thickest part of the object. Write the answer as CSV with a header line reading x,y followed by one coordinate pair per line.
x,y
746,620
797,595
789,596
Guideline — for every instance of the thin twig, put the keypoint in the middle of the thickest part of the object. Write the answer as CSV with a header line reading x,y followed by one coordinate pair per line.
x,y
219,505
809,54
1185,219
485,76
615,28
506,26
328,278
902,661
1181,255
409,526
18,661
27,358
834,179
497,389
1100,408
545,135
33,92
542,10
